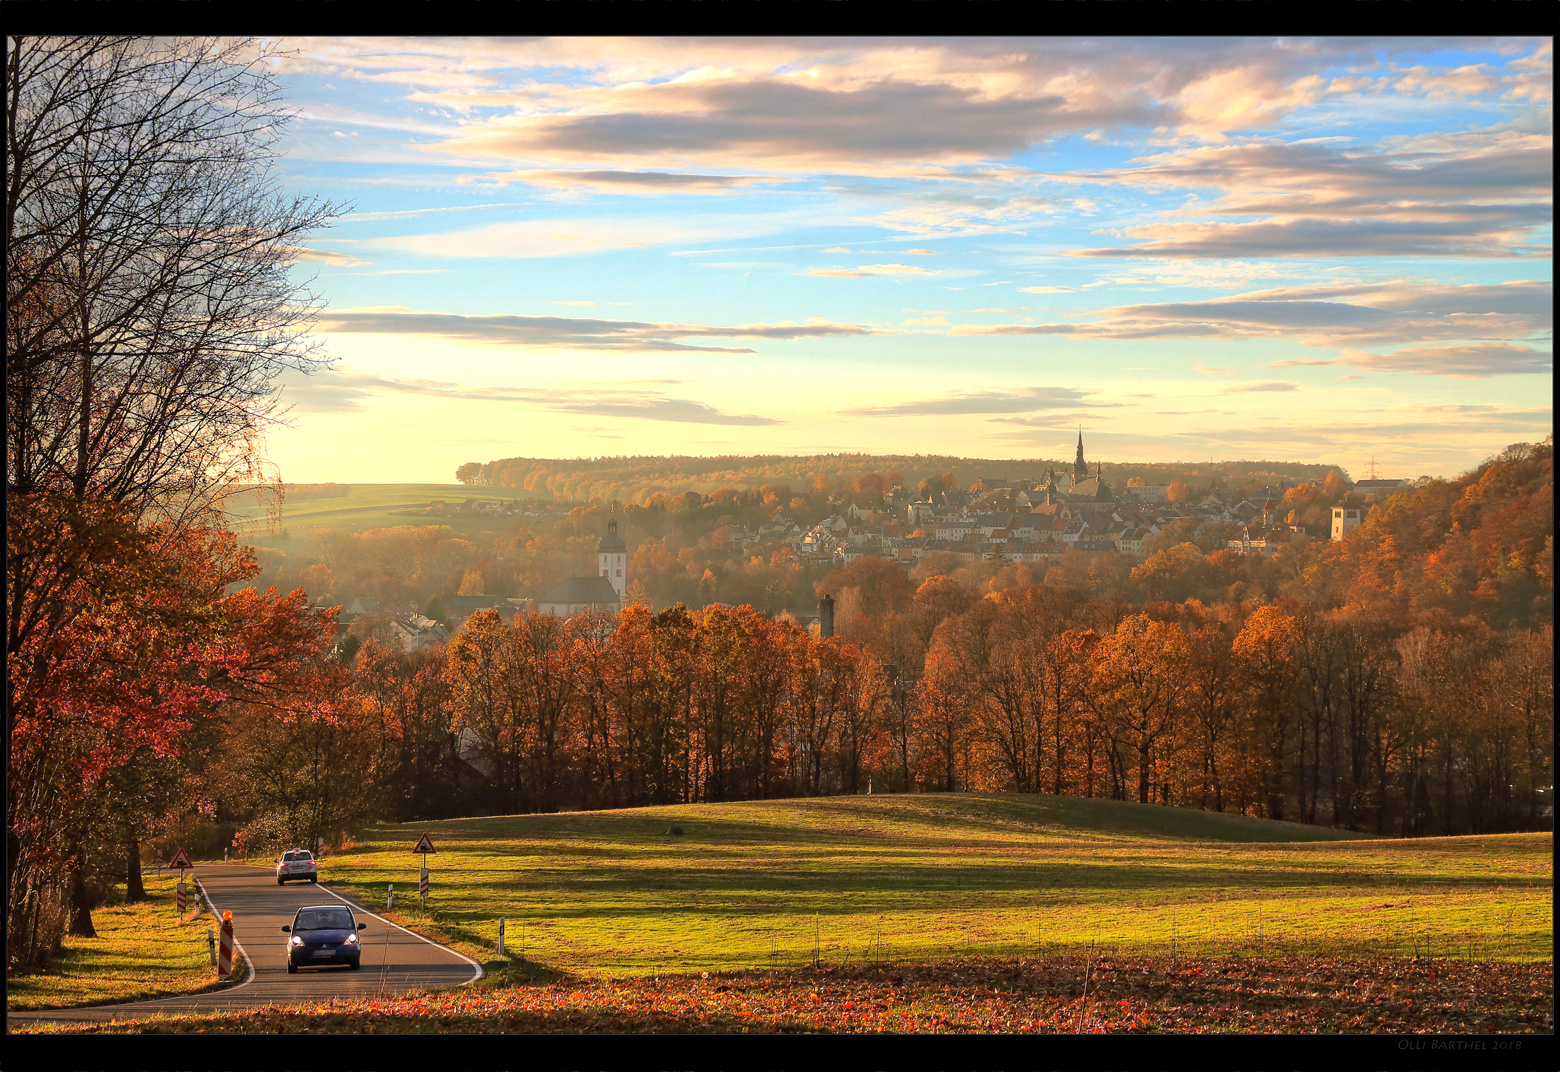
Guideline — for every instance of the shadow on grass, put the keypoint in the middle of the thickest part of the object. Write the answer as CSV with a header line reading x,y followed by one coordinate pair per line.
x,y
872,820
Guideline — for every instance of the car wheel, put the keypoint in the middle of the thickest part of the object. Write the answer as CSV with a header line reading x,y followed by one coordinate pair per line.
x,y
292,969
281,882
314,879
355,965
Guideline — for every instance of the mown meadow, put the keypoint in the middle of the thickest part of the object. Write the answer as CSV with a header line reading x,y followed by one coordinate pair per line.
x,y
875,879
936,913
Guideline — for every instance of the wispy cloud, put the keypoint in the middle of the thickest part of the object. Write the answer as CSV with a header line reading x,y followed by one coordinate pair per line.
x,y
1024,400
1394,312
1477,194
1266,385
555,332
1465,362
634,182
329,391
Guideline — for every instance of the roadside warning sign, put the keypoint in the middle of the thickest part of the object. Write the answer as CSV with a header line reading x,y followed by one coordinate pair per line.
x,y
181,860
424,845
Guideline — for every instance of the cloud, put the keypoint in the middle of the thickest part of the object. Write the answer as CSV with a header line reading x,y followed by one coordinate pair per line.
x,y
1465,362
1480,193
570,237
897,269
788,124
1393,312
554,332
869,271
329,391
877,105
1268,385
636,182
329,256
1024,400
1046,290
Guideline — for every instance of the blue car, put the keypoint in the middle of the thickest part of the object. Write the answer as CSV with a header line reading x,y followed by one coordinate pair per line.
x,y
323,934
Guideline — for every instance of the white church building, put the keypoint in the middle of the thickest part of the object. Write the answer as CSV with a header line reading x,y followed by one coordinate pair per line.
x,y
604,592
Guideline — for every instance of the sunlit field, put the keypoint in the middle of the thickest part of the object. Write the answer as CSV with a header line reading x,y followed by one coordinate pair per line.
x,y
912,878
142,950
365,506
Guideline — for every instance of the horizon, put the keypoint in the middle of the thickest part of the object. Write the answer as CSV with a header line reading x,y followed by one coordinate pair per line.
x,y
1310,251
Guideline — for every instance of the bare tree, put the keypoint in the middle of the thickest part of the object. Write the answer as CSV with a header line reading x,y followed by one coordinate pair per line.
x,y
149,303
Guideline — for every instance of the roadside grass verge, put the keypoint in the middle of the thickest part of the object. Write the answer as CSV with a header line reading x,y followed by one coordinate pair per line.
x,y
1061,995
141,952
842,882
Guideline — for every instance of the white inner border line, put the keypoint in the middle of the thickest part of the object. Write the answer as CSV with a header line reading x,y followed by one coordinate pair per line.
x,y
479,971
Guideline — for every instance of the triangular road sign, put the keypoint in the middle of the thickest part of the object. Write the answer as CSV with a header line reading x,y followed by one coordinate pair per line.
x,y
424,845
181,860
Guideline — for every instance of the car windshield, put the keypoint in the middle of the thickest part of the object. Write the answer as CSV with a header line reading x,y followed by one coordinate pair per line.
x,y
323,919
300,855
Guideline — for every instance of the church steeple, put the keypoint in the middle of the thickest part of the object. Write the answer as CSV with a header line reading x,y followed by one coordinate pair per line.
x,y
1080,467
612,556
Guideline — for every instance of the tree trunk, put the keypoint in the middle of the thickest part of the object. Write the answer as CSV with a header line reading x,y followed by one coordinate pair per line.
x,y
134,889
80,900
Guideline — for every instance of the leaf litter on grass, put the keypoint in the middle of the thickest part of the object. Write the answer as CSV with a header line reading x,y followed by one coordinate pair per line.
x,y
1126,994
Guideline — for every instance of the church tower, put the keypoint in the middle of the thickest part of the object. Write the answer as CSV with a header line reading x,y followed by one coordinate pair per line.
x,y
613,558
1080,467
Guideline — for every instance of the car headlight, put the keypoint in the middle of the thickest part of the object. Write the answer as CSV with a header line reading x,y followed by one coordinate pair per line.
x,y
352,939
295,940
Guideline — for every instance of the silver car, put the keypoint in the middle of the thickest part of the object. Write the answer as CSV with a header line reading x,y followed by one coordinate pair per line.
x,y
296,864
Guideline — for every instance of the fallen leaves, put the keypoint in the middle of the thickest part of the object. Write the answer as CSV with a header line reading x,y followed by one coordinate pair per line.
x,y
983,995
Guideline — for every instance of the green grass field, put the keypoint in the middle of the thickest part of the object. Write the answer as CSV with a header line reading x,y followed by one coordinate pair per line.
x,y
913,878
366,506
141,951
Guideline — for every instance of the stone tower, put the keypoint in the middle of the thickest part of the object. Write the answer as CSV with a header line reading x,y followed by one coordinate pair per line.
x,y
1080,467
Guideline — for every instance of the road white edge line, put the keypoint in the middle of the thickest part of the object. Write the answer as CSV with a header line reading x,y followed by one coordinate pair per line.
x,y
480,971
217,918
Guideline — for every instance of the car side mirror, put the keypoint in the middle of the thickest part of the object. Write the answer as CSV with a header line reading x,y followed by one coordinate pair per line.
x,y
362,926
286,930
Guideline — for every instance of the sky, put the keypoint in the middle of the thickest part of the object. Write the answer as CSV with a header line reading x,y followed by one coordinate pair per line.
x,y
1311,250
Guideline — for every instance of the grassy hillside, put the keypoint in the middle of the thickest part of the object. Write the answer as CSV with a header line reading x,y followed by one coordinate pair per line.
x,y
776,883
365,506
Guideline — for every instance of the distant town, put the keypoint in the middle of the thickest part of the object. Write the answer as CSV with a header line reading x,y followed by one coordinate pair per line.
x,y
937,527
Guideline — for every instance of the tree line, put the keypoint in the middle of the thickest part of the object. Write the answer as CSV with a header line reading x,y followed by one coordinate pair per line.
x,y
1340,717
636,478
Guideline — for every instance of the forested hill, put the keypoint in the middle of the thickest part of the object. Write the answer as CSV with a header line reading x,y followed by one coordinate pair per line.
x,y
633,478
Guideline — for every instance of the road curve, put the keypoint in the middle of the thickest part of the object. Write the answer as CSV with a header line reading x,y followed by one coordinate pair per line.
x,y
394,959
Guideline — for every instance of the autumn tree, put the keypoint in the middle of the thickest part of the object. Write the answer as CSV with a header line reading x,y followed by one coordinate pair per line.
x,y
149,313
1140,682
1266,648
1211,698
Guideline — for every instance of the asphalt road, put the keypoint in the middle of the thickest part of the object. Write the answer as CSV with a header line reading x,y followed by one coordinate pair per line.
x,y
394,959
